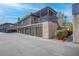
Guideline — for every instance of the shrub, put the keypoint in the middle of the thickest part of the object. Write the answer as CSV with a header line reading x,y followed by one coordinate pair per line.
x,y
61,34
68,27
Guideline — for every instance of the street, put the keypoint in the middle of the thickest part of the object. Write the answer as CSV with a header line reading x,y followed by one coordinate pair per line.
x,y
16,44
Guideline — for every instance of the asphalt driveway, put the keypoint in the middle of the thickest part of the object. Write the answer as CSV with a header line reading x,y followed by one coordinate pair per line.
x,y
16,44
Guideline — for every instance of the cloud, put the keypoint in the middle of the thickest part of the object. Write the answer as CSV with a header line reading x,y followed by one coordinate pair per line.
x,y
1,13
14,5
24,6
68,12
4,17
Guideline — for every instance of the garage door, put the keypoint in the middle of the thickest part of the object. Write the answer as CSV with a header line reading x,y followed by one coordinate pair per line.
x,y
33,31
39,31
27,31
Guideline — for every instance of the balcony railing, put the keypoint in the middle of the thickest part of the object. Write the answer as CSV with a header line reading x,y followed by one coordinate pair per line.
x,y
39,20
53,19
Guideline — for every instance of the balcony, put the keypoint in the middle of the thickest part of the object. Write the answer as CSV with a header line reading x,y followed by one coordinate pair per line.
x,y
38,20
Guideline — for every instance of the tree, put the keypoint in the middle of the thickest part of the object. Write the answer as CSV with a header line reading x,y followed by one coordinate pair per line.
x,y
18,19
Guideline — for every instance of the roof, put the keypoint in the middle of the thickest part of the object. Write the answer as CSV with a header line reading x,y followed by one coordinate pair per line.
x,y
7,24
38,12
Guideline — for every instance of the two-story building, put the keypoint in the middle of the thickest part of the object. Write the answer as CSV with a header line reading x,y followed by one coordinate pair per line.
x,y
42,23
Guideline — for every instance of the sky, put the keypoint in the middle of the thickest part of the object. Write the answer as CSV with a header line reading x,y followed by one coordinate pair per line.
x,y
9,12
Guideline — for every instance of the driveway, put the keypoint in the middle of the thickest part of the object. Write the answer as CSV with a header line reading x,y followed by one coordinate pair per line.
x,y
16,44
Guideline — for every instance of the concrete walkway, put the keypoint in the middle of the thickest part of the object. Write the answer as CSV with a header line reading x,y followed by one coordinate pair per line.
x,y
15,44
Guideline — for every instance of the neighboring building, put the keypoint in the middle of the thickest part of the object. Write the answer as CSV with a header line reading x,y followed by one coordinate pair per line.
x,y
75,12
8,27
61,18
42,23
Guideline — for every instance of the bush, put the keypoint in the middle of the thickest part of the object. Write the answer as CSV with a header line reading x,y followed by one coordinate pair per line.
x,y
68,27
61,34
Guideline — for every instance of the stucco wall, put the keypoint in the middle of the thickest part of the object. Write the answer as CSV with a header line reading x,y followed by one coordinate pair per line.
x,y
45,30
49,29
76,28
52,29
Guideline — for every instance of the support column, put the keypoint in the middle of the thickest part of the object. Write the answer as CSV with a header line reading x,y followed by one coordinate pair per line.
x,y
76,29
23,30
45,30
34,31
75,13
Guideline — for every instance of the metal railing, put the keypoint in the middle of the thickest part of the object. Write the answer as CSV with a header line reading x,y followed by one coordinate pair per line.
x,y
39,20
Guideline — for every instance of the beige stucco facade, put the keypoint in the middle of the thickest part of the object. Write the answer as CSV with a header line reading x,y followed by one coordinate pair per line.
x,y
76,28
49,29
44,29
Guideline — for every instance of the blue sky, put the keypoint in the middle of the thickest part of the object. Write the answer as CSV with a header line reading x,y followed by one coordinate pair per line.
x,y
9,12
